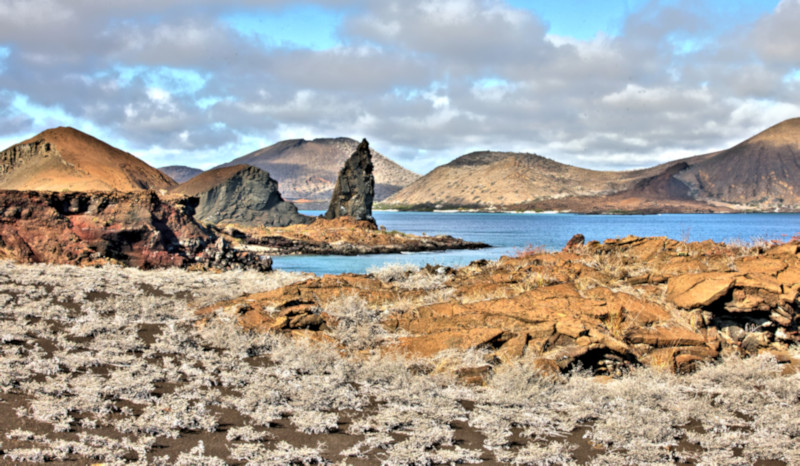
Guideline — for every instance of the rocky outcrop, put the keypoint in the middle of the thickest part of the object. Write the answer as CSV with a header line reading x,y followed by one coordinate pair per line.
x,y
355,187
602,306
136,229
222,255
345,236
241,195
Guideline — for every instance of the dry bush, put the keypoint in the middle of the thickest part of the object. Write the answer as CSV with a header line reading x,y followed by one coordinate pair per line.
x,y
389,273
357,325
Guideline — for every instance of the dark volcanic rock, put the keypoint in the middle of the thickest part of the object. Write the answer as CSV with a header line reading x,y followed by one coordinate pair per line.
x,y
355,187
243,195
575,242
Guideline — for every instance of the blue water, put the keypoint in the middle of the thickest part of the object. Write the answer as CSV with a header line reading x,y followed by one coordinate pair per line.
x,y
508,233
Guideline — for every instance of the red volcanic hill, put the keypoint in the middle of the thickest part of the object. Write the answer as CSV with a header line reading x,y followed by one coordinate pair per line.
x,y
65,159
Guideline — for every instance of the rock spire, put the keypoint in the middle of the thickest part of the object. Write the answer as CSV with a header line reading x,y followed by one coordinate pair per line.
x,y
355,187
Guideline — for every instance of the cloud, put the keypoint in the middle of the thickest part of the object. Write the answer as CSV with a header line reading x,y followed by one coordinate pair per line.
x,y
424,80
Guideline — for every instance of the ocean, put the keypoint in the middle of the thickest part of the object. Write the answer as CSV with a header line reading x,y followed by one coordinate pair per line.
x,y
508,233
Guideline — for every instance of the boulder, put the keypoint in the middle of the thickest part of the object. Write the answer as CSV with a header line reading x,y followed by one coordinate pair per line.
x,y
699,290
355,187
575,242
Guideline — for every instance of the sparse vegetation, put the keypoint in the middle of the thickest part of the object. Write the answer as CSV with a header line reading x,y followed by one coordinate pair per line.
x,y
111,365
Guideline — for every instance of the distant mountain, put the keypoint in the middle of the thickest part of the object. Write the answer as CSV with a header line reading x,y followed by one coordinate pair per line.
x,y
180,173
762,173
240,194
65,159
307,170
506,178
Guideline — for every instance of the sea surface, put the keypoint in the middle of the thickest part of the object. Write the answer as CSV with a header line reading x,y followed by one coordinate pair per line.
x,y
509,233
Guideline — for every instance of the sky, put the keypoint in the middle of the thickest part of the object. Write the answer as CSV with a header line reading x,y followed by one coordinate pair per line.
x,y
611,85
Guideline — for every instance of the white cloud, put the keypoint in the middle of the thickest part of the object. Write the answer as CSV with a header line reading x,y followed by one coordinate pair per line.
x,y
428,79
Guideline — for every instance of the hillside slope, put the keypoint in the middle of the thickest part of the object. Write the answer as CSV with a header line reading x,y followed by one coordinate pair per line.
x,y
65,159
762,172
308,169
508,178
180,173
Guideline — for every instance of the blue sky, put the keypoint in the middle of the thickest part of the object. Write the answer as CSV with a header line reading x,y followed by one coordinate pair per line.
x,y
608,85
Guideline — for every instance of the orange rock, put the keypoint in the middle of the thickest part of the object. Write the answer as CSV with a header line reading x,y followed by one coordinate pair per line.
x,y
570,327
789,277
760,265
687,362
759,281
788,249
428,345
513,348
699,290
665,336
546,367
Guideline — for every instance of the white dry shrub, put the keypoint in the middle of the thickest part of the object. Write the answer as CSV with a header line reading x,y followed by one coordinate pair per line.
x,y
372,441
246,434
25,435
197,457
409,276
358,326
29,455
314,422
390,273
539,453
283,454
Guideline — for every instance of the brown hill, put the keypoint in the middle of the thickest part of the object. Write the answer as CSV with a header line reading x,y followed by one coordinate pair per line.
x,y
240,194
65,159
510,178
762,173
308,169
180,173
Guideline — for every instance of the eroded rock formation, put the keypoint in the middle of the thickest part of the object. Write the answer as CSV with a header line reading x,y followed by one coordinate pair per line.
x,y
242,195
355,187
